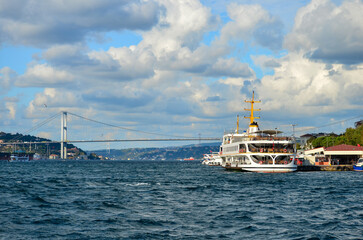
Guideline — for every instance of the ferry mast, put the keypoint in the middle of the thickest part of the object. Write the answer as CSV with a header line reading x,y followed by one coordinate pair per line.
x,y
252,117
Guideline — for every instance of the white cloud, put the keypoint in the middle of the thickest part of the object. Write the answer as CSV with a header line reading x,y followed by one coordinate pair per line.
x,y
67,54
127,63
329,33
11,107
43,75
53,100
304,87
42,24
230,67
6,78
8,110
252,22
266,62
183,25
232,81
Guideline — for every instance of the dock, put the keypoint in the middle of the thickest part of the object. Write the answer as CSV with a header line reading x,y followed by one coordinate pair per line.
x,y
332,168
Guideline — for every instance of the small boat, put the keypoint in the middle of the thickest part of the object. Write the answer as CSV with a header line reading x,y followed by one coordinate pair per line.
x,y
189,159
359,165
16,158
212,159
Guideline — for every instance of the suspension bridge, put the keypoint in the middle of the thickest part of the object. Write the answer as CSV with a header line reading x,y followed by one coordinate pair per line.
x,y
163,137
64,135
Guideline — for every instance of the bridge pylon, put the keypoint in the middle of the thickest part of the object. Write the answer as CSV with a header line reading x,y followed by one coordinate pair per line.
x,y
64,135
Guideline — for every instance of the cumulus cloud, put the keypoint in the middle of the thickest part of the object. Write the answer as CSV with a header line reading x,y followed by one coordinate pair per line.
x,y
6,78
232,81
266,62
329,33
229,67
301,86
43,75
53,100
183,24
252,22
173,44
125,63
118,96
115,64
176,75
58,22
8,110
74,55
11,107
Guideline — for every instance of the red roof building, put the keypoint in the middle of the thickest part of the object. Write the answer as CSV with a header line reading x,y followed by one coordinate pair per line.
x,y
341,154
344,148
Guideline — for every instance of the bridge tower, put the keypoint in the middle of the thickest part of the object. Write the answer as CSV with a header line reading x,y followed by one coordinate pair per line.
x,y
64,135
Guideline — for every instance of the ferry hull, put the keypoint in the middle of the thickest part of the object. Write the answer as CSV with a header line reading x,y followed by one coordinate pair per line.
x,y
357,168
263,169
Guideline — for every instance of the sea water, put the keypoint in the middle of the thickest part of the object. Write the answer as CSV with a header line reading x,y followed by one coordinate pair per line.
x,y
174,200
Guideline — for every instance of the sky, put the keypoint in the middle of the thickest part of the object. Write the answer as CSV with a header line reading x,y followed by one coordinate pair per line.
x,y
179,68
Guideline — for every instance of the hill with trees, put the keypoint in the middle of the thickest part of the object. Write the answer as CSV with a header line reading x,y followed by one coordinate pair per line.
x,y
352,136
167,153
40,145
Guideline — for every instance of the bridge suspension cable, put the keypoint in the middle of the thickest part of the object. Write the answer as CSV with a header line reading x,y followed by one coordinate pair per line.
x,y
130,129
37,126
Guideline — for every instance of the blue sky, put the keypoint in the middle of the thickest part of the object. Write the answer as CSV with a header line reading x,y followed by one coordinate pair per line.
x,y
179,68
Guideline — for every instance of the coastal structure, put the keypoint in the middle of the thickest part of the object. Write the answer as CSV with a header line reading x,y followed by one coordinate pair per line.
x,y
336,155
257,150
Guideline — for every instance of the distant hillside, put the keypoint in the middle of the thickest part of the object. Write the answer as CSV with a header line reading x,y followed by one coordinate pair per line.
x,y
40,148
168,153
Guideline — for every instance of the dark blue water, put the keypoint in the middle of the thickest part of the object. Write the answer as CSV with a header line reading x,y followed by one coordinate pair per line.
x,y
175,200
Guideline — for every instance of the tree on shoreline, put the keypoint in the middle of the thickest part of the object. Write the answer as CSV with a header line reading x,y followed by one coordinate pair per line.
x,y
352,136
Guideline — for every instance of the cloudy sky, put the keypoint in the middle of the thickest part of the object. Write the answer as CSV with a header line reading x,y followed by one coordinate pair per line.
x,y
181,68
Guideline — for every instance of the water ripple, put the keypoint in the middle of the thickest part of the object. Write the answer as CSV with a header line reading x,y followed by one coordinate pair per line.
x,y
174,200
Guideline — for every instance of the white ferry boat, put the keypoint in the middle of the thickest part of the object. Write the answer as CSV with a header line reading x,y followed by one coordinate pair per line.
x,y
257,150
16,158
212,159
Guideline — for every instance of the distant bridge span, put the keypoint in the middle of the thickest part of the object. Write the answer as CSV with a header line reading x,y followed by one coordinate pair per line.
x,y
64,141
117,140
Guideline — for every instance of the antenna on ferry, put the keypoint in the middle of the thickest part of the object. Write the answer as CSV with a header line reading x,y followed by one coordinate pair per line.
x,y
293,136
237,123
251,117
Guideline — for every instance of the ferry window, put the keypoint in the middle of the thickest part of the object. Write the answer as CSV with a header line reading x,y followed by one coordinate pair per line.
x,y
242,147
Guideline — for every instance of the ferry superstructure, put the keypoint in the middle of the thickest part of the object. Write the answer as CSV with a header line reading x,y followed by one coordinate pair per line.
x,y
257,150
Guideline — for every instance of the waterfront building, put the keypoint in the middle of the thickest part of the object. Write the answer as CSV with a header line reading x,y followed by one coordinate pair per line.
x,y
336,155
